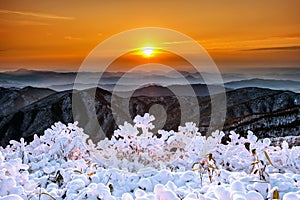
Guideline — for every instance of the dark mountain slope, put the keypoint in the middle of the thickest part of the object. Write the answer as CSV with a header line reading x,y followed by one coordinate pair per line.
x,y
13,99
266,112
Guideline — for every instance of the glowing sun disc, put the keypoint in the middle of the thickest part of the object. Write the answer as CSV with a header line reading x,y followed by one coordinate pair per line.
x,y
147,51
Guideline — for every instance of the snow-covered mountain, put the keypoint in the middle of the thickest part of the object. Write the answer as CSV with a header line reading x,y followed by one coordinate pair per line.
x,y
13,99
269,113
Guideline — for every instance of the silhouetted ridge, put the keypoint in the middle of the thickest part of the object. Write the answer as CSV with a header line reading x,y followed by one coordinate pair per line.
x,y
268,113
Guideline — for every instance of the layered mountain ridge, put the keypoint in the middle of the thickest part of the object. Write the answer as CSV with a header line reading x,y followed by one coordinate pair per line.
x,y
268,113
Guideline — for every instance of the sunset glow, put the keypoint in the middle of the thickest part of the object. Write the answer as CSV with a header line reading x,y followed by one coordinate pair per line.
x,y
43,35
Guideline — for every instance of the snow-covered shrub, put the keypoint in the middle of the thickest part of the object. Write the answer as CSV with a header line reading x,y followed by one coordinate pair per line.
x,y
64,164
134,146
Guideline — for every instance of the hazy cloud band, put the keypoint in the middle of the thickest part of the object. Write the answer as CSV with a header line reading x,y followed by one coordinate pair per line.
x,y
274,48
34,14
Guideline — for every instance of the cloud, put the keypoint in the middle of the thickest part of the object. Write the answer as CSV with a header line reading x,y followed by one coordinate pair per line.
x,y
179,42
25,22
274,48
72,38
35,14
33,23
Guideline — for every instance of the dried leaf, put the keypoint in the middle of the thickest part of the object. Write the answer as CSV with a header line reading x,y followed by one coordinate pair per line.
x,y
46,193
76,170
214,160
268,158
210,157
59,178
253,152
196,169
91,174
255,172
252,169
276,195
210,179
212,167
255,163
111,188
195,164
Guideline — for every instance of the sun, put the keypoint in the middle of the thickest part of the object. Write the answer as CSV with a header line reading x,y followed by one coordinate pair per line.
x,y
147,51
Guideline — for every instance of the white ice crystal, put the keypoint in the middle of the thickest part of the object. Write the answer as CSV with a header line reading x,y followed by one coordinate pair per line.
x,y
144,123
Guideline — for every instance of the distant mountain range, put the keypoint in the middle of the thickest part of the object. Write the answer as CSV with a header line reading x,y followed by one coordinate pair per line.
x,y
61,81
265,83
29,111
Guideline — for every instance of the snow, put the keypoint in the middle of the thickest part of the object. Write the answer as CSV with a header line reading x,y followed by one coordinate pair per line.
x,y
139,164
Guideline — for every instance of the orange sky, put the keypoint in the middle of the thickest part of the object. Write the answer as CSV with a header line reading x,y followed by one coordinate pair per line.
x,y
238,34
